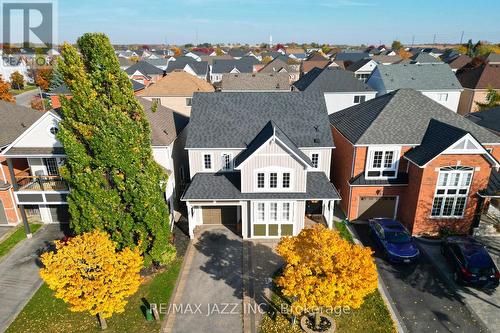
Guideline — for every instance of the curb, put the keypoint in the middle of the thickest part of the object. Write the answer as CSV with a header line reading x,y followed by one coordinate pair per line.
x,y
445,277
382,288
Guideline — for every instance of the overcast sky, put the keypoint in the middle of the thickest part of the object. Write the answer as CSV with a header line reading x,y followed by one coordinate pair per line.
x,y
252,21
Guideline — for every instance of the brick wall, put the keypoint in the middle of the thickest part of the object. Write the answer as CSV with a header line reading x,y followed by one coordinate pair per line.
x,y
340,174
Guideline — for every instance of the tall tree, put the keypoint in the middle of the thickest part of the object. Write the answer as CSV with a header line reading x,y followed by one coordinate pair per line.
x,y
56,79
396,45
17,80
116,185
43,77
5,94
492,100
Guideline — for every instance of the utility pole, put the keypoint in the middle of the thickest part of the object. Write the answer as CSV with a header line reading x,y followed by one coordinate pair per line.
x,y
196,30
412,40
434,39
461,37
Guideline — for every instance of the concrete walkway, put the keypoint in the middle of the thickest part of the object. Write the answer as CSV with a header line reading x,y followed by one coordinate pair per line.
x,y
19,278
484,304
209,293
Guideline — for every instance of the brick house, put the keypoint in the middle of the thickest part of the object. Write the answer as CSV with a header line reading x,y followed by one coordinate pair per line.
x,y
403,155
476,82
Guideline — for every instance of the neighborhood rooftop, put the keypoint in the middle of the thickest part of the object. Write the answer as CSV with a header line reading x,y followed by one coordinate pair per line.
x,y
255,81
331,80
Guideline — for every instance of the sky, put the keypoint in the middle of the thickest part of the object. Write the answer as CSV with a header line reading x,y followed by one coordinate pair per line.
x,y
253,21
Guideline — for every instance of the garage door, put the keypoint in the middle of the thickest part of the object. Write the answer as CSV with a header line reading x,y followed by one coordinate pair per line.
x,y
60,213
370,207
226,215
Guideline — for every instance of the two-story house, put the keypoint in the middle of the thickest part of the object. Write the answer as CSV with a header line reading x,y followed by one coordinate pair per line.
x,y
363,68
403,155
144,73
436,81
476,82
258,163
223,66
340,88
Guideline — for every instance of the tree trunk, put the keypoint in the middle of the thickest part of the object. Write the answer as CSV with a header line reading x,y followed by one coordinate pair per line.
x,y
102,321
317,320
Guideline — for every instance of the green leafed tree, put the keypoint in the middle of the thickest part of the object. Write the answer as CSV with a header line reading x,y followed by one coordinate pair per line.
x,y
57,78
116,186
396,45
492,100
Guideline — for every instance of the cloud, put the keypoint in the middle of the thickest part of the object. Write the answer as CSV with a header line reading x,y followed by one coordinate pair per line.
x,y
347,3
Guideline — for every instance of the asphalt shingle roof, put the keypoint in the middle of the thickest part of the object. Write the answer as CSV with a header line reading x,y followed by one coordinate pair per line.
x,y
199,67
488,118
425,58
418,77
145,68
243,65
14,120
331,80
255,81
219,186
481,77
357,65
233,119
351,56
400,117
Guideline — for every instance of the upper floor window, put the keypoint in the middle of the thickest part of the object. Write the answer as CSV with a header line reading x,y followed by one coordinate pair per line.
x,y
189,101
359,99
273,180
286,180
442,97
315,160
452,189
260,180
227,162
207,161
382,163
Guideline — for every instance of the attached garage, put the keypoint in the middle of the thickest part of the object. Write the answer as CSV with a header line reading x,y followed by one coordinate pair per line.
x,y
226,215
59,213
381,206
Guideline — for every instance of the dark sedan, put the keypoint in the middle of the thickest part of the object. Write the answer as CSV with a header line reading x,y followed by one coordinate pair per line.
x,y
470,262
396,242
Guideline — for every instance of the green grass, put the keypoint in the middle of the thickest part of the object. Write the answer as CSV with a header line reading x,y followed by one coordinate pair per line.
x,y
25,89
15,238
344,232
45,313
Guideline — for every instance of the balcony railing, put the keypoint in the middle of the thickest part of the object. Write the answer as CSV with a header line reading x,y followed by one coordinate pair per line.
x,y
41,183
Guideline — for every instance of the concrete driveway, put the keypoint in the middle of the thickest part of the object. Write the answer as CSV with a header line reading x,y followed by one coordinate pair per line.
x,y
484,303
209,294
25,98
424,302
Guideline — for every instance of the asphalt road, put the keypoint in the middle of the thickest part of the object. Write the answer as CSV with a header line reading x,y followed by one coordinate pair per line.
x,y
424,302
24,99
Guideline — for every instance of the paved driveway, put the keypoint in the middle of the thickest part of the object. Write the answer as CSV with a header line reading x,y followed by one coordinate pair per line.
x,y
19,278
24,99
424,302
209,295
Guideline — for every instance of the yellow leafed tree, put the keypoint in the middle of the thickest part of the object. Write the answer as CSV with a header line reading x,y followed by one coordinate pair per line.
x,y
89,274
324,270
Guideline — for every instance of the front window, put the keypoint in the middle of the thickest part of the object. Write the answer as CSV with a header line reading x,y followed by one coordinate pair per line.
x,y
260,180
451,193
359,99
189,101
382,163
261,212
273,180
51,165
398,237
286,211
286,180
273,210
207,161
442,97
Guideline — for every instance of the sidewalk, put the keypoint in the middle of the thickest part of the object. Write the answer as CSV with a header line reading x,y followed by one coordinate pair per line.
x,y
484,304
19,278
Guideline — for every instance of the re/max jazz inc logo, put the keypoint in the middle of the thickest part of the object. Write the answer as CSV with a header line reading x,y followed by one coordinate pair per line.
x,y
28,23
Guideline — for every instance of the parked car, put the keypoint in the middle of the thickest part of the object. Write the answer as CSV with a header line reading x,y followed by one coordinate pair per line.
x,y
394,239
470,262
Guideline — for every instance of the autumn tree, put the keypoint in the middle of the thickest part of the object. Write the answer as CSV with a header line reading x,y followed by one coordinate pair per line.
x,y
90,275
177,51
396,45
404,54
17,80
323,270
37,103
43,77
492,100
5,94
116,185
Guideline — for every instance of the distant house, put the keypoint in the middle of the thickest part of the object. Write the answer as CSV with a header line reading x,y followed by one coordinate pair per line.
x,y
459,62
237,53
251,82
161,63
314,60
11,64
125,62
436,81
340,88
493,59
278,65
144,73
351,56
223,66
476,82
188,65
362,68
424,58
175,91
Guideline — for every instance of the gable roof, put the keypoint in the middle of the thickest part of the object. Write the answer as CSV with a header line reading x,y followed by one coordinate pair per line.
x,y
256,81
165,123
493,58
400,117
160,62
243,65
488,118
14,120
309,65
145,68
357,65
424,58
277,65
351,56
480,77
418,77
237,52
331,80
234,119
199,67
459,62
387,59
177,84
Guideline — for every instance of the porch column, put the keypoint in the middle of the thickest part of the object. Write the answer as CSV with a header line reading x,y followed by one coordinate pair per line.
x,y
331,206
27,229
190,220
244,220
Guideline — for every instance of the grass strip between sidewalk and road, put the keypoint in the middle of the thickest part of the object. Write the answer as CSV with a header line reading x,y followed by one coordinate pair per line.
x,y
16,237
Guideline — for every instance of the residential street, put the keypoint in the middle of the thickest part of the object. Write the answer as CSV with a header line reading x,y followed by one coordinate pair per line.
x,y
24,99
19,278
422,299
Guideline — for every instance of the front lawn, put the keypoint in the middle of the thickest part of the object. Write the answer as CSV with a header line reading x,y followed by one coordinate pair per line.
x,y
27,87
15,238
45,313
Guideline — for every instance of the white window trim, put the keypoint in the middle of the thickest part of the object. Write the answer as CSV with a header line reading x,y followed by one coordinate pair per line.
x,y
211,162
267,217
223,162
454,196
395,162
319,159
267,178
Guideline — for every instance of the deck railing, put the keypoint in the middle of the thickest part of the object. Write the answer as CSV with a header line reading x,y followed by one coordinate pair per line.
x,y
41,183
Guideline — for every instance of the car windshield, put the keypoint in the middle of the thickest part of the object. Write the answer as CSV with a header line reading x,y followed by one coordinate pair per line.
x,y
397,237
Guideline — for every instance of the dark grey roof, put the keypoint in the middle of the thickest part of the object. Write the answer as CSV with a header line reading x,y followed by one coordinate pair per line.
x,y
267,132
243,65
331,80
351,56
125,62
400,117
34,151
137,85
255,82
161,62
14,120
493,189
357,65
438,137
145,68
360,180
237,52
165,123
226,186
418,77
488,118
233,119
425,58
199,67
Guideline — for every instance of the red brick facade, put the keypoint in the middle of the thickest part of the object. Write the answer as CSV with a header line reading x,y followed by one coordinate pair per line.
x,y
416,198
7,195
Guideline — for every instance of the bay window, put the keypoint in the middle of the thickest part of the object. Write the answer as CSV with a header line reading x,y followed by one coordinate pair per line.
x,y
272,219
451,193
